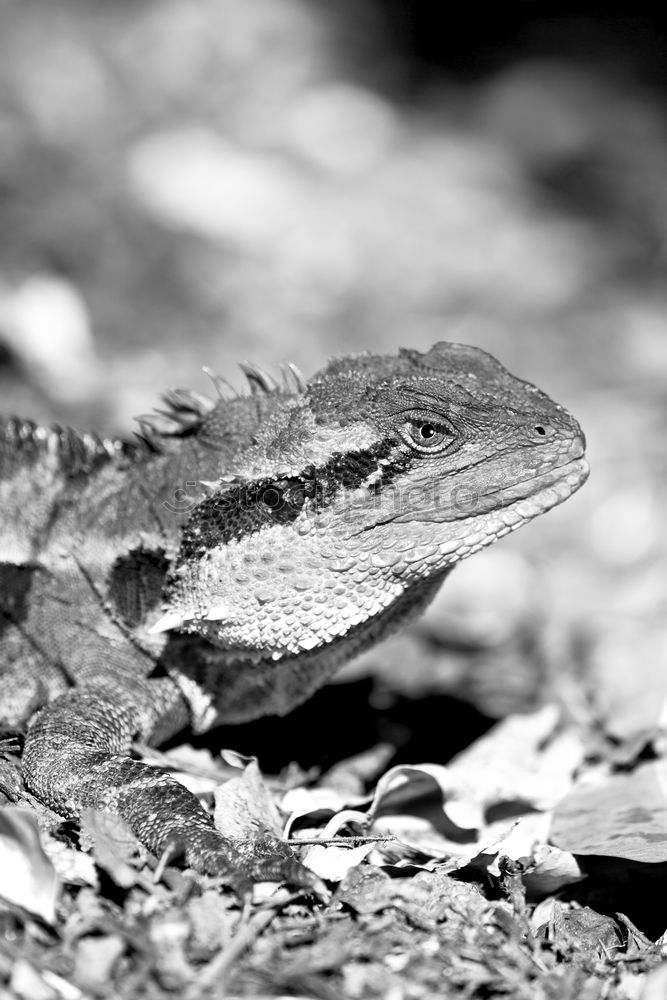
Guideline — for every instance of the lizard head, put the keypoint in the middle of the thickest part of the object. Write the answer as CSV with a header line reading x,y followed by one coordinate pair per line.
x,y
365,487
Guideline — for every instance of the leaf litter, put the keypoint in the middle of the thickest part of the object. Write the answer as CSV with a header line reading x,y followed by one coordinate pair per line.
x,y
487,867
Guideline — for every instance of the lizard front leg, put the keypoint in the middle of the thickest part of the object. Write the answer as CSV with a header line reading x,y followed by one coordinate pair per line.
x,y
76,756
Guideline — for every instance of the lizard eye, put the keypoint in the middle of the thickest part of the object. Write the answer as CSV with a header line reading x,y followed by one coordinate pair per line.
x,y
426,436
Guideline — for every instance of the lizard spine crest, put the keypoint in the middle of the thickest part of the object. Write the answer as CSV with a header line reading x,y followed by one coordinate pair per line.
x,y
78,453
185,410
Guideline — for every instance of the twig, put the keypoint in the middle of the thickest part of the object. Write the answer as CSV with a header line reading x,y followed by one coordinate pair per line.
x,y
633,932
250,928
338,841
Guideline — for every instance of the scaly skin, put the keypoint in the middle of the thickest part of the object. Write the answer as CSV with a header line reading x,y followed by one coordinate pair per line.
x,y
228,564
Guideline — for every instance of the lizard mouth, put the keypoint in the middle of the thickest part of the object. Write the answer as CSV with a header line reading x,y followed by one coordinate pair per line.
x,y
513,503
540,492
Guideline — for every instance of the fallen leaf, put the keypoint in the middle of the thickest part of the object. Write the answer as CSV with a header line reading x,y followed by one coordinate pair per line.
x,y
525,758
28,878
169,935
63,988
366,889
572,929
95,958
73,866
457,799
244,805
114,845
655,986
334,861
28,984
213,920
521,840
624,816
491,799
553,869
352,775
546,869
315,804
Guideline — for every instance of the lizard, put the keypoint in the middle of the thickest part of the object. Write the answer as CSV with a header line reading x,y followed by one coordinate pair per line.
x,y
224,564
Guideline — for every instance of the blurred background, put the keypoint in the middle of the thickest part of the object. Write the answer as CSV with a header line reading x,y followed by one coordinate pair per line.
x,y
201,183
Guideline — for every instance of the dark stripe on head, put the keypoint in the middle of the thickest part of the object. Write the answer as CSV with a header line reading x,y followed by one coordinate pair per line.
x,y
245,509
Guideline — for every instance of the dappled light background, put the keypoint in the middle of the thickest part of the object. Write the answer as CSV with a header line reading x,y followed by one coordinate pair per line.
x,y
185,184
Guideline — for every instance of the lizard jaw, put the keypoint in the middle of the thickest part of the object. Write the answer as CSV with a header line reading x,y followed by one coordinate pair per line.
x,y
529,497
546,491
540,494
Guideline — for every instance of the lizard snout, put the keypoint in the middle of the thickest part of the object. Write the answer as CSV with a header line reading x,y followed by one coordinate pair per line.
x,y
559,429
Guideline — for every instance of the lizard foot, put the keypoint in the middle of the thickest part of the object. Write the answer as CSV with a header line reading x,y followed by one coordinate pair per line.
x,y
76,755
240,864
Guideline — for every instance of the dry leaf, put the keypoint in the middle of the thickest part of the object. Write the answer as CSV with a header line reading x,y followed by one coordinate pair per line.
x,y
95,958
334,861
27,879
314,803
28,984
523,758
244,806
73,866
482,804
114,845
655,987
623,817
456,798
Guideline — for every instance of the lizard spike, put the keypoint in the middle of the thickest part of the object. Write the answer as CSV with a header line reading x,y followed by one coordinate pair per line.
x,y
224,389
293,378
259,380
147,433
169,621
164,422
224,482
188,399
